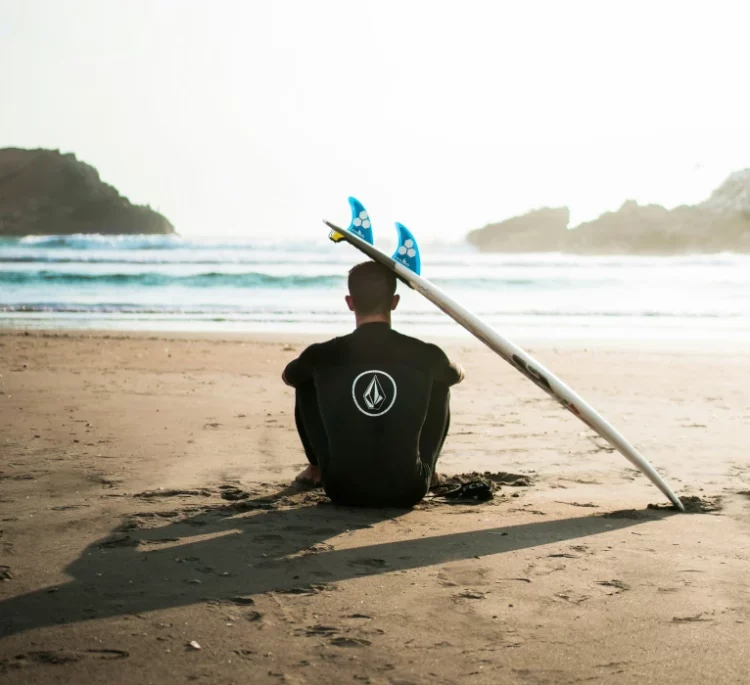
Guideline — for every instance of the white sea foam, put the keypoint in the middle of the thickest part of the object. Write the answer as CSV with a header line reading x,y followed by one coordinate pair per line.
x,y
168,282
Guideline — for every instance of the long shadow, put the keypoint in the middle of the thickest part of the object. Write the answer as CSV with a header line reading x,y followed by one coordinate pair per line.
x,y
222,555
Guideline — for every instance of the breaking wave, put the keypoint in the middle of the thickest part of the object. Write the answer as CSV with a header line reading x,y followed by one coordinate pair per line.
x,y
205,280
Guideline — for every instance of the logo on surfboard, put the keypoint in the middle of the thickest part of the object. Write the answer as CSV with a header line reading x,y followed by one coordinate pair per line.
x,y
374,392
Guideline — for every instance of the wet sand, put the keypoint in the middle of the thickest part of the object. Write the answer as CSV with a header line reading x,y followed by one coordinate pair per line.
x,y
148,533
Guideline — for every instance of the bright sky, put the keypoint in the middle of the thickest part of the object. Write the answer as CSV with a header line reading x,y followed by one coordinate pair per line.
x,y
252,117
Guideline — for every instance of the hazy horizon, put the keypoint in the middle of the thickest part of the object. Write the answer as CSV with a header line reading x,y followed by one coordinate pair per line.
x,y
246,120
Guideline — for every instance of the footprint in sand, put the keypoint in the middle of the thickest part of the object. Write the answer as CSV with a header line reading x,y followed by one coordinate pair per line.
x,y
458,576
66,657
312,589
232,493
471,594
268,537
149,494
698,618
297,528
317,630
240,600
617,584
349,642
119,541
572,597
368,562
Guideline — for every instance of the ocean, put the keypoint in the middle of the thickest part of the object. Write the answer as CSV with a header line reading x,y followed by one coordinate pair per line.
x,y
169,283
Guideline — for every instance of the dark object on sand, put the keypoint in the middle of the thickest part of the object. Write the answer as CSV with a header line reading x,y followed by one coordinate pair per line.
x,y
465,487
693,504
480,490
232,493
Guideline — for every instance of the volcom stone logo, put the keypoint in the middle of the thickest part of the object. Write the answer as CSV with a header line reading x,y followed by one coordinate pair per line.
x,y
374,396
374,392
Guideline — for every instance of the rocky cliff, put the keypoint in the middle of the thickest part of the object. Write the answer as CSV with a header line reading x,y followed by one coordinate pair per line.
x,y
525,233
44,192
720,224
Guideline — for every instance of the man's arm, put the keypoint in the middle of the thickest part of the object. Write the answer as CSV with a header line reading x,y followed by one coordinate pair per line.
x,y
446,371
455,373
299,370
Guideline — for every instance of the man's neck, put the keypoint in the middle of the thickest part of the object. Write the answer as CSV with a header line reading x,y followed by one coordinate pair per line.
x,y
362,319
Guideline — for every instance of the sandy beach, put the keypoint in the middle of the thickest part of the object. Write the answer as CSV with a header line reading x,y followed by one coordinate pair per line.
x,y
148,532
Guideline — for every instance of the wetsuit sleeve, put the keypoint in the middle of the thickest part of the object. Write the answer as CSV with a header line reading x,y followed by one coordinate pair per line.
x,y
446,371
301,369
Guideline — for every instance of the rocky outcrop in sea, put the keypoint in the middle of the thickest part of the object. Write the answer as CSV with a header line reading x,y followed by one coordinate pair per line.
x,y
46,192
720,224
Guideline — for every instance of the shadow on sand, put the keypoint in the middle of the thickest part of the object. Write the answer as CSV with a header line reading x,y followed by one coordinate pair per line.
x,y
224,553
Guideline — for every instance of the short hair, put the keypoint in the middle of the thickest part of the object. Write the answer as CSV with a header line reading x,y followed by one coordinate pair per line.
x,y
372,287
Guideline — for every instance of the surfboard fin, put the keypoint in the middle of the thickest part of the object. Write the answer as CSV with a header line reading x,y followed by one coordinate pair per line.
x,y
407,252
360,224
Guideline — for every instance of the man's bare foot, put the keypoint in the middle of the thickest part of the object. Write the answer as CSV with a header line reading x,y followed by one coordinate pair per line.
x,y
437,479
310,476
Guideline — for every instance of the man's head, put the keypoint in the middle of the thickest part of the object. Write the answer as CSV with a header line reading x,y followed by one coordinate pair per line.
x,y
372,291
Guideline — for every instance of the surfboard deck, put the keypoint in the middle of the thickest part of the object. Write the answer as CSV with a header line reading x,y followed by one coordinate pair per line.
x,y
406,264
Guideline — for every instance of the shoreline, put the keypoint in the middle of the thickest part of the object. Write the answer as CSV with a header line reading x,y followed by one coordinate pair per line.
x,y
461,340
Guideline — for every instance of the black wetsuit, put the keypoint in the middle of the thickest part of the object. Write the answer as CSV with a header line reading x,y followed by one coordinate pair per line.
x,y
372,411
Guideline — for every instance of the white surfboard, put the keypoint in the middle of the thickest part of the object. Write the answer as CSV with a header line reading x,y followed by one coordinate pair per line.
x,y
406,264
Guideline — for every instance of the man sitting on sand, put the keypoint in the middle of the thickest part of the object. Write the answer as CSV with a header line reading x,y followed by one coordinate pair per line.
x,y
372,407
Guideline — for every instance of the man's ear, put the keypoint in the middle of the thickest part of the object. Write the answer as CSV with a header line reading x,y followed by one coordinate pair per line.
x,y
394,302
349,302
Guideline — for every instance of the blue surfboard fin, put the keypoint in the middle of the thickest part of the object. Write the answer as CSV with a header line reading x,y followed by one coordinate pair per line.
x,y
407,252
360,224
